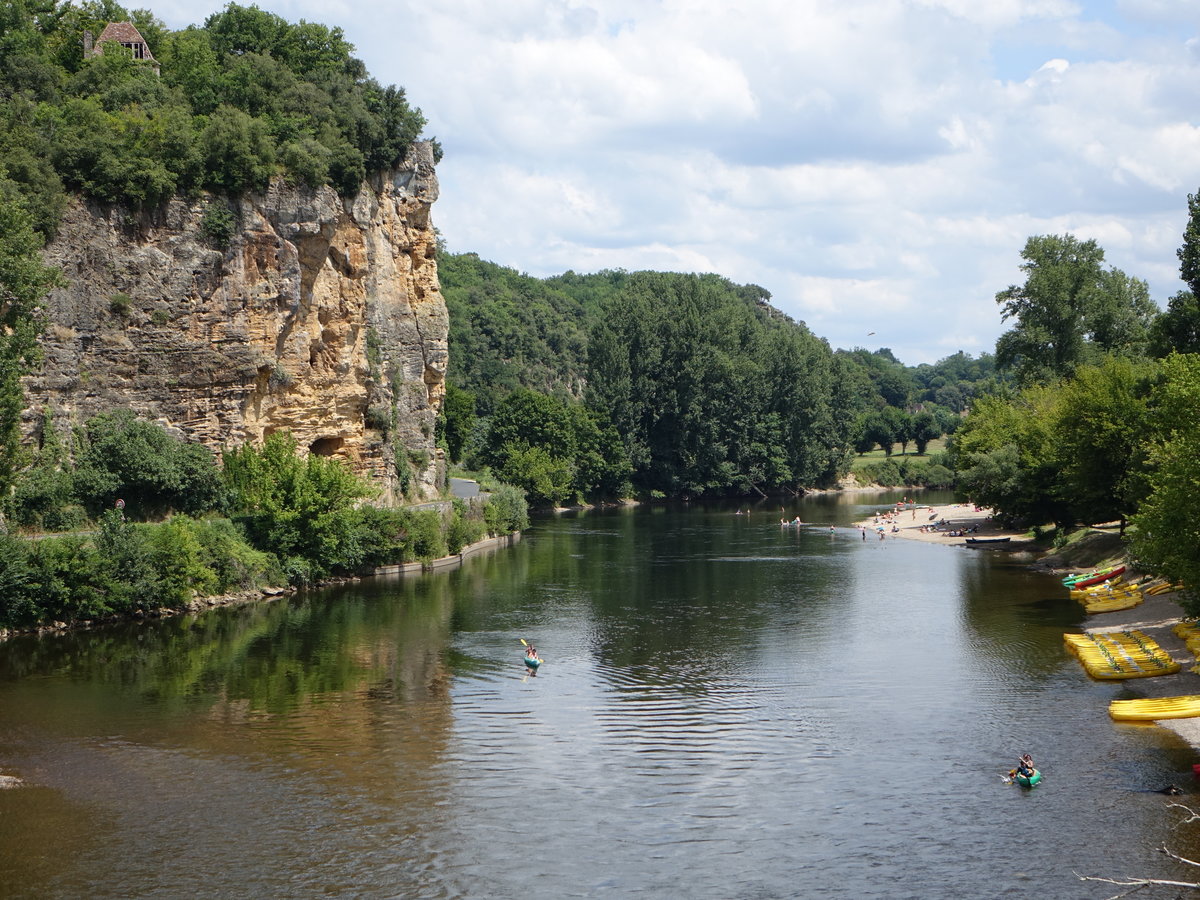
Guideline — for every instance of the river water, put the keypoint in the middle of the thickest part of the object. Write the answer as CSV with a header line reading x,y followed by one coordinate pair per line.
x,y
728,709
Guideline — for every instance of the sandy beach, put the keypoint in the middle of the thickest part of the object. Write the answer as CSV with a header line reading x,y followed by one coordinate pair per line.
x,y
1155,616
960,517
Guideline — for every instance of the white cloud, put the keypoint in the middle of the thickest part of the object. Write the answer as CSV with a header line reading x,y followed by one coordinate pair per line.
x,y
877,165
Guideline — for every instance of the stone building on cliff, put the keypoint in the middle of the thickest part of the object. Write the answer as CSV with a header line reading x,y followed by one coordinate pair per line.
x,y
322,315
127,36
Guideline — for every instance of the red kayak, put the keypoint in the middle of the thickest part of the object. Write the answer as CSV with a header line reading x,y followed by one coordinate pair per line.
x,y
1098,579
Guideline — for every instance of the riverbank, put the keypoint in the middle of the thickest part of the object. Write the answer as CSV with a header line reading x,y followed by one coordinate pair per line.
x,y
959,521
269,593
1156,616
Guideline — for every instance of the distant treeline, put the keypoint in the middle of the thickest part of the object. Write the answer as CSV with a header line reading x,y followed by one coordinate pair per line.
x,y
662,384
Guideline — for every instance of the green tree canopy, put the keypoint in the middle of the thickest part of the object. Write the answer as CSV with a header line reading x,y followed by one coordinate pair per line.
x,y
1100,439
1068,308
711,390
130,459
1167,528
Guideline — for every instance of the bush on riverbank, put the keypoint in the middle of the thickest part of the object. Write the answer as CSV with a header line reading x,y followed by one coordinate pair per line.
x,y
294,520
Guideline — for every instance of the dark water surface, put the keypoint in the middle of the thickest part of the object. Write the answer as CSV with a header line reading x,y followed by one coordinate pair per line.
x,y
727,709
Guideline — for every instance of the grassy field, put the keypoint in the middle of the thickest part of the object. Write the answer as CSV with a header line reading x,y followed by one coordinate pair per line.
x,y
912,458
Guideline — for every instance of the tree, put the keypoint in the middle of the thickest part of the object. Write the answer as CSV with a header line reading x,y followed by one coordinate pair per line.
x,y
1189,252
925,428
554,449
1100,436
457,420
1167,528
1004,454
904,433
293,506
1177,328
1061,276
885,427
238,154
24,283
711,390
127,458
1069,309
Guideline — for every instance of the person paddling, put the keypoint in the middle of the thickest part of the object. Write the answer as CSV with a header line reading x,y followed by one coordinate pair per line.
x,y
1025,766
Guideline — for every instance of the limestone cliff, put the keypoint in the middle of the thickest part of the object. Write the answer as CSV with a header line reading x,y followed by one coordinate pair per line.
x,y
322,316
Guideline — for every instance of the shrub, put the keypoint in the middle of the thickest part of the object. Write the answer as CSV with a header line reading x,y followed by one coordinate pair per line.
x,y
218,225
506,510
938,476
72,583
17,585
128,458
425,538
235,564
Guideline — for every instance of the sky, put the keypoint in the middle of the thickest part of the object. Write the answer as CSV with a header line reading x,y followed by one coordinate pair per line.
x,y
876,165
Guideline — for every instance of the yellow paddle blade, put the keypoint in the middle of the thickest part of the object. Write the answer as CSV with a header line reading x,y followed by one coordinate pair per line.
x,y
523,642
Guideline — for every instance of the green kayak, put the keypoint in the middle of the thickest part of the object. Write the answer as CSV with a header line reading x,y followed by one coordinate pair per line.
x,y
1028,780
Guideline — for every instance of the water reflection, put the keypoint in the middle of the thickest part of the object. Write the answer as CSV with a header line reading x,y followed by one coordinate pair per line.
x,y
727,708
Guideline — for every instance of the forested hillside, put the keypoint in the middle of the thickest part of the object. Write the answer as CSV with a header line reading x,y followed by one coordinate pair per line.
x,y
711,389
584,386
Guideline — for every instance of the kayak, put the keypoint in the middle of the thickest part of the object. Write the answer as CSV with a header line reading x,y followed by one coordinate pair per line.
x,y
1028,780
1152,709
533,662
1098,579
1073,580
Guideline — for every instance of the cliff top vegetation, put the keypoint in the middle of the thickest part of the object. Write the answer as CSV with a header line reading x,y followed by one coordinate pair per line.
x,y
219,107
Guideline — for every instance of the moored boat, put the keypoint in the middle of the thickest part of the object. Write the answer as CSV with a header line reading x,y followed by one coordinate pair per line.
x,y
994,540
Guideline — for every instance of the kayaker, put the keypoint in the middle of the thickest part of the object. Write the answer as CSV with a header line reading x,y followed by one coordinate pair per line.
x,y
1025,766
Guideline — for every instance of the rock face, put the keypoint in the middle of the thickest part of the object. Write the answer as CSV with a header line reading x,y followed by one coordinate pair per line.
x,y
322,316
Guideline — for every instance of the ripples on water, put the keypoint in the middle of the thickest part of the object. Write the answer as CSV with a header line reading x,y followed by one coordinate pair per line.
x,y
725,710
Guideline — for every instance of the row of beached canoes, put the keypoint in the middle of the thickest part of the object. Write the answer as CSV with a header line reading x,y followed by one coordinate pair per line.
x,y
1116,595
1087,579
1121,654
1149,709
1118,655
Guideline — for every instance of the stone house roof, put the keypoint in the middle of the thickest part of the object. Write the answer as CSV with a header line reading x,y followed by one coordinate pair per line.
x,y
127,35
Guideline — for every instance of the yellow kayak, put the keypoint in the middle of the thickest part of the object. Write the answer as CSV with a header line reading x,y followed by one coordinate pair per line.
x,y
1151,709
1120,654
1112,604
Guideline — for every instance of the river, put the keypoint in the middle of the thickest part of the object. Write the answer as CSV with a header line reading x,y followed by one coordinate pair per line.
x,y
727,709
